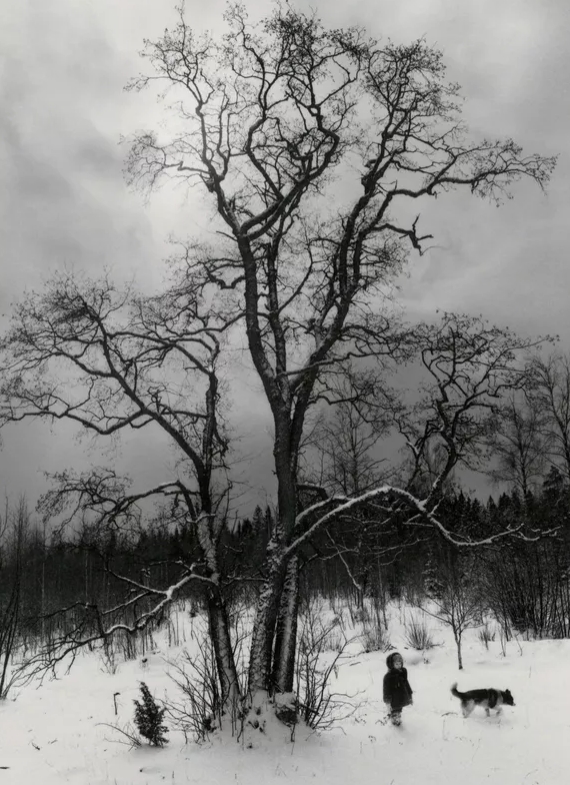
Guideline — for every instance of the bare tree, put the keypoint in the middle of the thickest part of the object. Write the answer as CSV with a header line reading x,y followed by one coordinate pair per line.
x,y
265,119
457,604
14,528
551,394
344,453
129,363
519,444
471,368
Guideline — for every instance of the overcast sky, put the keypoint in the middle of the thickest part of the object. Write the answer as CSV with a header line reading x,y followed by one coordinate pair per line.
x,y
63,201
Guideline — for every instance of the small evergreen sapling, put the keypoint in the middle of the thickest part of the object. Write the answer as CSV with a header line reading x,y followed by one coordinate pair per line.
x,y
148,718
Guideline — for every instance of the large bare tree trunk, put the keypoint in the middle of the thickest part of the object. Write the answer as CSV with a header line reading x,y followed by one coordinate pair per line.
x,y
264,624
223,652
218,620
286,630
274,634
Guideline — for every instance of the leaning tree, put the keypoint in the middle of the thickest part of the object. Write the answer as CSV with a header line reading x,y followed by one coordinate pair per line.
x,y
311,147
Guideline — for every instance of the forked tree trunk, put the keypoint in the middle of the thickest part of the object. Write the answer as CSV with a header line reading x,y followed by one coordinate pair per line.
x,y
286,630
272,656
223,652
218,622
259,677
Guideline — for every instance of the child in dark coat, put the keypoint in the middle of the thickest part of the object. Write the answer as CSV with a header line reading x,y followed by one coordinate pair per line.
x,y
397,690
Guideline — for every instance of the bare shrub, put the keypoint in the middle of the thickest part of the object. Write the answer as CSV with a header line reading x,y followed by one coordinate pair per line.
x,y
418,635
457,603
318,706
128,734
359,615
332,633
173,632
375,638
109,662
125,645
199,713
486,635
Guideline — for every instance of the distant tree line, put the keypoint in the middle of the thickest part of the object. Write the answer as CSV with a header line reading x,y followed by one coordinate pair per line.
x,y
524,585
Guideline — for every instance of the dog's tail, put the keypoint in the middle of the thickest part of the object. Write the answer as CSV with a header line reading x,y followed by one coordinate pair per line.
x,y
455,691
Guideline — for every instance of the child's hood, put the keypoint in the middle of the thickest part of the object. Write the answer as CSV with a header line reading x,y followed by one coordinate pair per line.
x,y
390,659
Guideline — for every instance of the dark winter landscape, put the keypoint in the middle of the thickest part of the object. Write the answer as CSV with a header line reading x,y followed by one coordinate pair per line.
x,y
284,393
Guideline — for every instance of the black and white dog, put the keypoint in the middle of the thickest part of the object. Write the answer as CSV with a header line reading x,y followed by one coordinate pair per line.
x,y
487,699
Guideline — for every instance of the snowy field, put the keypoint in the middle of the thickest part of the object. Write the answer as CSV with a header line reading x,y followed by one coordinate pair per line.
x,y
56,733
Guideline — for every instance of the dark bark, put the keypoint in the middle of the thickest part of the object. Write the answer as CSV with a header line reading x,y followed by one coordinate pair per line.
x,y
286,630
267,609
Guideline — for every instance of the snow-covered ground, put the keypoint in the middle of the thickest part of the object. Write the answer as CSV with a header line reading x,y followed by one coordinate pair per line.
x,y
56,733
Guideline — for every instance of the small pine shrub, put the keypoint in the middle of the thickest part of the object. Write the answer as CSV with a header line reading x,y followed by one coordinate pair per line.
x,y
148,719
